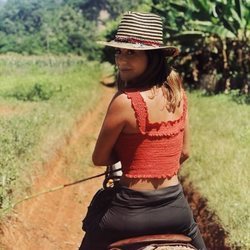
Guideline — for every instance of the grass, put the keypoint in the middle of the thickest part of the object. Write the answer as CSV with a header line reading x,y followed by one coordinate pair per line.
x,y
219,163
40,100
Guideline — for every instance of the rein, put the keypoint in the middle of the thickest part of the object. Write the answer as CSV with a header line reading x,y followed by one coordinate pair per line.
x,y
107,173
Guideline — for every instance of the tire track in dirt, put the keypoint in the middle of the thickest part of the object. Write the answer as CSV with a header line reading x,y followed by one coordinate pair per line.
x,y
53,221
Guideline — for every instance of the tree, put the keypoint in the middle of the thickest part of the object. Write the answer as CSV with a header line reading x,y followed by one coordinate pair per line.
x,y
36,27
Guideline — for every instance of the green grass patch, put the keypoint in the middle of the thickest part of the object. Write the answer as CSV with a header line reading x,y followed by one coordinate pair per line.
x,y
40,100
219,163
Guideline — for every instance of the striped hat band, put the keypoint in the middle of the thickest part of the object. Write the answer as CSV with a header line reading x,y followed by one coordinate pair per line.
x,y
141,31
146,28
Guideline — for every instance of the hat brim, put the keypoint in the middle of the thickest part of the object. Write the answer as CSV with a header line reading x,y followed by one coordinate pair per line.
x,y
168,50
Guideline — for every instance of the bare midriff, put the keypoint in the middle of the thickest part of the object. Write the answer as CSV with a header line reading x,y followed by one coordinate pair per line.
x,y
141,184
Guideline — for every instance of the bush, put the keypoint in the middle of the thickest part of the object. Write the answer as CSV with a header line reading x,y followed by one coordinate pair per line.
x,y
37,92
239,97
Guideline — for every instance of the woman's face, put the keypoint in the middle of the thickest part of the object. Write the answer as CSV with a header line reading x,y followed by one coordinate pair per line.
x,y
131,63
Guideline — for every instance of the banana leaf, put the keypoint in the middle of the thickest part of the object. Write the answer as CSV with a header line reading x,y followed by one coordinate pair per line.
x,y
188,38
209,27
238,7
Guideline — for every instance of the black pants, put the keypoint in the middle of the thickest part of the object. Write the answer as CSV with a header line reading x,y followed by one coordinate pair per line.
x,y
133,213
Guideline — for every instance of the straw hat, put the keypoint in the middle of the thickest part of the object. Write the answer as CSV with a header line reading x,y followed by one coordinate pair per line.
x,y
140,31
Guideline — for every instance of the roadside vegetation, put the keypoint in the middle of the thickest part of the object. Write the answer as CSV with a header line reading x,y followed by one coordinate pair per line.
x,y
219,162
41,98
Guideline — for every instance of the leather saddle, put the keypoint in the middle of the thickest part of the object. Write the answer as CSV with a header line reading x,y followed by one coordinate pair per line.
x,y
157,241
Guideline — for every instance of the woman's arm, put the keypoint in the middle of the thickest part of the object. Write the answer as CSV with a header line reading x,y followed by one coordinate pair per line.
x,y
112,126
186,142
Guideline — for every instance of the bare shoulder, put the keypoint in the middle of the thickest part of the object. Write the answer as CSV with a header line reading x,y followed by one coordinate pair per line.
x,y
119,101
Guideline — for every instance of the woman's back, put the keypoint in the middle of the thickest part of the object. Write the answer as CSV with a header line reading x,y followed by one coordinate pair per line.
x,y
155,103
150,144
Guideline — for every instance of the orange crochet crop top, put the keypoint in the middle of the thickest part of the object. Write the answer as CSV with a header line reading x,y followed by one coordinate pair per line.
x,y
155,151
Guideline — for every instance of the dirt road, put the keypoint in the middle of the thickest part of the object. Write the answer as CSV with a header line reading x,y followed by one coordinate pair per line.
x,y
53,221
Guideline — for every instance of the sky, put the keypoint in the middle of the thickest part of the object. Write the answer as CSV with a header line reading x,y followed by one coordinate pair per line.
x,y
2,1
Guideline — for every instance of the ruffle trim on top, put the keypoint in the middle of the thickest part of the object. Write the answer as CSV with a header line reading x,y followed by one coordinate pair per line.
x,y
155,129
148,176
139,108
172,133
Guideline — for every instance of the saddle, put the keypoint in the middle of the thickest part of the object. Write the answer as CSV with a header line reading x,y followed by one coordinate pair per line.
x,y
151,242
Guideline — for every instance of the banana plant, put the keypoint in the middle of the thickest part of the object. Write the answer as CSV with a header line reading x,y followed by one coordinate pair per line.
x,y
211,31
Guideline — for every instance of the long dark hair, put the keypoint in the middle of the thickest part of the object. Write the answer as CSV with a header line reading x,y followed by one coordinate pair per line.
x,y
158,74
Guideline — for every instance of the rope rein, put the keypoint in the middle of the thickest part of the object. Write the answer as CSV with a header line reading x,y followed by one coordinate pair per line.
x,y
107,173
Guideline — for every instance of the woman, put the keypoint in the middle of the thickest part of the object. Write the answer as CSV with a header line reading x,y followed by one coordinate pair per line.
x,y
146,129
